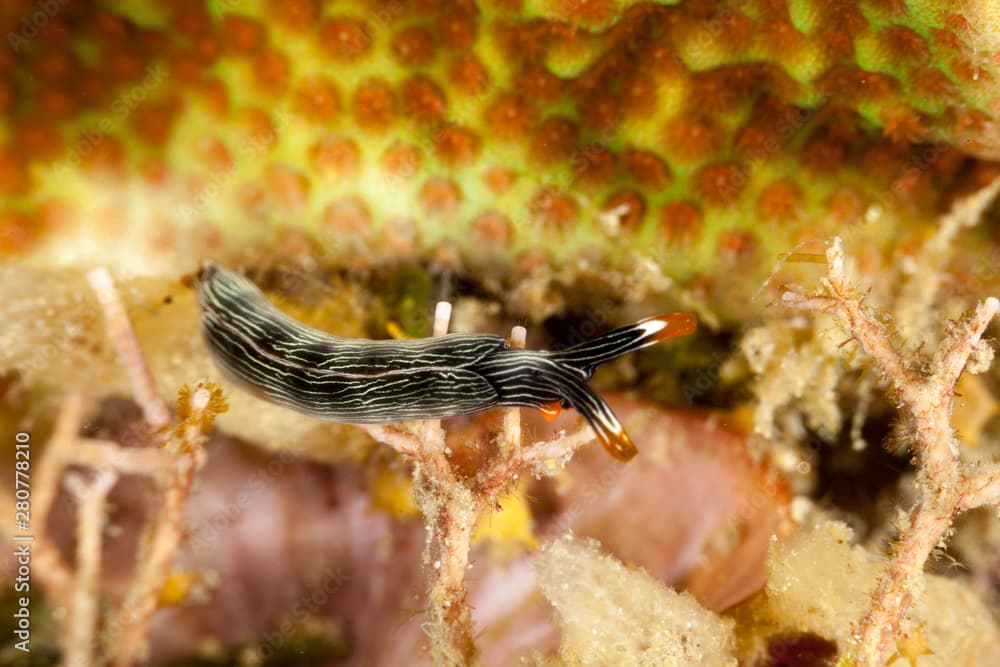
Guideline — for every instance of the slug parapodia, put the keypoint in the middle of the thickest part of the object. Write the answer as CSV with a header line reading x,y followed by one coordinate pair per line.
x,y
375,381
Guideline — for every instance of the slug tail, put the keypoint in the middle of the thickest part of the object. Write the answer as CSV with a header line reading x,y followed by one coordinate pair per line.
x,y
588,355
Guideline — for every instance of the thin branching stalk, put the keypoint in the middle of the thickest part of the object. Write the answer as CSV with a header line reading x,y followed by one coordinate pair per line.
x,y
946,485
55,574
119,328
91,496
452,505
131,626
127,631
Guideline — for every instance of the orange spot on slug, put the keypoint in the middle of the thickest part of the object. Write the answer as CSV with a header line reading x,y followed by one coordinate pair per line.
x,y
551,410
